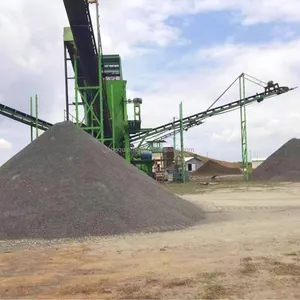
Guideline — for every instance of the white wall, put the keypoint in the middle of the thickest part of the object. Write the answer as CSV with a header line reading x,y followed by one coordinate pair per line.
x,y
256,163
196,164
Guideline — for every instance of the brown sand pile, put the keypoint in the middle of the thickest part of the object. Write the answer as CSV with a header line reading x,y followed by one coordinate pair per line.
x,y
211,168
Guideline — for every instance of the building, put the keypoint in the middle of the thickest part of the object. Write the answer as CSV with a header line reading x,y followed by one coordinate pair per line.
x,y
192,163
257,162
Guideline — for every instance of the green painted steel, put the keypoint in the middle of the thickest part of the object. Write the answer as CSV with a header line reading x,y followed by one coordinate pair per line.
x,y
76,93
127,149
144,165
89,95
166,130
174,136
116,94
68,35
36,117
112,67
22,117
31,114
244,140
110,77
112,92
181,144
100,93
113,115
117,105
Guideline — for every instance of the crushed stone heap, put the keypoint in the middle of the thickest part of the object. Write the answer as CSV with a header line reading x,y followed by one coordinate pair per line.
x,y
211,168
282,165
66,184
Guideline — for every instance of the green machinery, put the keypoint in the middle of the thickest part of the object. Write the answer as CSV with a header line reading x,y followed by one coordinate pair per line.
x,y
100,103
100,91
113,89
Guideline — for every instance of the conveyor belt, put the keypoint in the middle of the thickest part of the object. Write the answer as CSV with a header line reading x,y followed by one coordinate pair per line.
x,y
160,131
81,26
194,120
24,118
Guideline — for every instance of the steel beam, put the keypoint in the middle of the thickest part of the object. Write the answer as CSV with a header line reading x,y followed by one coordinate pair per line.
x,y
24,118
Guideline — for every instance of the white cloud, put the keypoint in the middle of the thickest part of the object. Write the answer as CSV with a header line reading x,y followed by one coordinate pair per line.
x,y
270,123
127,24
4,144
227,135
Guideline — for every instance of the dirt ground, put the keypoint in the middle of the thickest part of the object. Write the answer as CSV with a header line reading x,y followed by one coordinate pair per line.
x,y
248,247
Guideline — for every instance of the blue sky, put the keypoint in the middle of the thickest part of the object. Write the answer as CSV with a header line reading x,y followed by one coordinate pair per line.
x,y
207,30
172,51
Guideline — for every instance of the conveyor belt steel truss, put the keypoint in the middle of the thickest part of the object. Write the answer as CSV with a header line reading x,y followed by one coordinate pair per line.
x,y
88,63
24,118
163,131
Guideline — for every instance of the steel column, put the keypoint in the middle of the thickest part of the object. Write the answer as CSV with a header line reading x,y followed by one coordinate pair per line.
x,y
181,144
36,117
174,135
113,118
66,82
31,114
76,91
243,127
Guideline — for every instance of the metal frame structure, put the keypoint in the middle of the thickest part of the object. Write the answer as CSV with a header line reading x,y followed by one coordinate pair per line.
x,y
171,129
92,121
197,119
87,61
101,91
244,142
24,118
181,144
36,117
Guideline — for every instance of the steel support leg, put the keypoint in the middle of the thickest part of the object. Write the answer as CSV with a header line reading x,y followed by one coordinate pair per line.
x,y
182,145
243,128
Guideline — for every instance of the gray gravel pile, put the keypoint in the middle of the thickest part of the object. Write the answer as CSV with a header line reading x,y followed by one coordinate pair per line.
x,y
66,184
282,165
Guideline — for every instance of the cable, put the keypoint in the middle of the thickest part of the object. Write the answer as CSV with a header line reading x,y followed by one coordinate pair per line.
x,y
263,84
223,93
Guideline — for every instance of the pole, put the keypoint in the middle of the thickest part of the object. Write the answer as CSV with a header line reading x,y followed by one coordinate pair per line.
x,y
128,153
243,127
174,136
113,116
98,26
181,144
66,84
100,91
31,114
100,70
76,91
36,116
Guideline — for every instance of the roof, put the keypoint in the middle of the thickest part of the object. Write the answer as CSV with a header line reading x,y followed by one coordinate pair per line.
x,y
204,159
186,159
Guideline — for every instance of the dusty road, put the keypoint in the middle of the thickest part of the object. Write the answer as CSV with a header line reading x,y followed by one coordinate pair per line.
x,y
247,248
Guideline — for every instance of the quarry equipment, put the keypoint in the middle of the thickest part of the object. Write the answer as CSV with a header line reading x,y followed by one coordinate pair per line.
x,y
100,95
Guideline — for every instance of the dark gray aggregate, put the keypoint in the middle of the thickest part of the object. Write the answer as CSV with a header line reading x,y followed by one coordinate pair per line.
x,y
66,184
282,165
